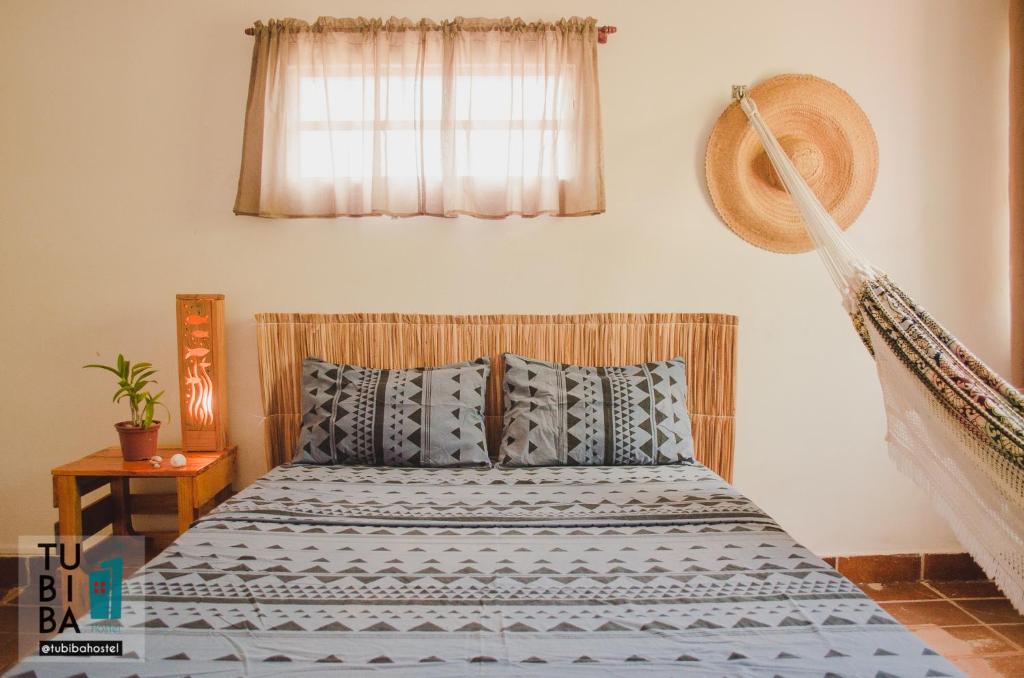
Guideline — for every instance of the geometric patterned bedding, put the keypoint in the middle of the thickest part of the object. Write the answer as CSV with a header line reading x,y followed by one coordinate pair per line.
x,y
563,571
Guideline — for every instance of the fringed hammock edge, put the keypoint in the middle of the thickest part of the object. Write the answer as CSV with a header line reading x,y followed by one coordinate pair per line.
x,y
954,425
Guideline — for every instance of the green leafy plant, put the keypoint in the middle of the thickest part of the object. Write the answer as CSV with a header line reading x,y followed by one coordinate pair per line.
x,y
131,384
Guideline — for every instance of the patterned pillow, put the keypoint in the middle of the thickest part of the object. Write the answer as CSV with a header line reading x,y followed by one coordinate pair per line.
x,y
612,416
430,416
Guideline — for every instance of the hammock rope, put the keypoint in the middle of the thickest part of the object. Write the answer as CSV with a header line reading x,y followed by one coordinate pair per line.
x,y
954,426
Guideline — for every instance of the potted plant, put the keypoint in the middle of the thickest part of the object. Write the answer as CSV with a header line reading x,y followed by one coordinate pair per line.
x,y
138,434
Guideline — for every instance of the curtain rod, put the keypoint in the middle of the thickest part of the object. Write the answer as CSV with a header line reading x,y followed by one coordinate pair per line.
x,y
602,32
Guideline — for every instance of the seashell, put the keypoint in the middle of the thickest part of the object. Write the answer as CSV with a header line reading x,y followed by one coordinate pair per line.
x,y
156,458
178,460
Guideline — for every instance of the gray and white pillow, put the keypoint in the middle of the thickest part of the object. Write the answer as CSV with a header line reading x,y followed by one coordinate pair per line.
x,y
559,414
430,416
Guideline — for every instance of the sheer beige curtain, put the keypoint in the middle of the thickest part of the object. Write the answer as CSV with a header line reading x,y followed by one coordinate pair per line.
x,y
481,117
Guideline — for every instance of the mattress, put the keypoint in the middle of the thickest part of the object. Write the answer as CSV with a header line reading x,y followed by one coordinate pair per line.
x,y
571,571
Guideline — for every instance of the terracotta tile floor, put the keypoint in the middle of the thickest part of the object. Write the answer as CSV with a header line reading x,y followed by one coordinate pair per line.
x,y
970,623
8,629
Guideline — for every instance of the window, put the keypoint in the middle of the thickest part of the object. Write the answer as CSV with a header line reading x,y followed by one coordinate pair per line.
x,y
487,122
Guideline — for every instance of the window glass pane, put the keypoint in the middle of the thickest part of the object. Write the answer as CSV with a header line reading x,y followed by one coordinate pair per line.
x,y
503,98
501,124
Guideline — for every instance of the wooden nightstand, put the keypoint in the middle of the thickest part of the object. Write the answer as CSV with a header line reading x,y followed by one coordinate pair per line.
x,y
202,483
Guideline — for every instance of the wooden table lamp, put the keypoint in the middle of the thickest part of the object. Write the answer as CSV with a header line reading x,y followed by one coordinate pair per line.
x,y
202,372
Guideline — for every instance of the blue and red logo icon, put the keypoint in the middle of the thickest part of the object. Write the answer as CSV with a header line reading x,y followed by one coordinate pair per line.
x,y
105,589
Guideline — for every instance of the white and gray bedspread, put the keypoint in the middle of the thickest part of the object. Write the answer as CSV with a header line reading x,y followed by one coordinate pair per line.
x,y
572,571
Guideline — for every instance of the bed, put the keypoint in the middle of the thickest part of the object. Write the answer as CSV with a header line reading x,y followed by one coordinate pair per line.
x,y
651,570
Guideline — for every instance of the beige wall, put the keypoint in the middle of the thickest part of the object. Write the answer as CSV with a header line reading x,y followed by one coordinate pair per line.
x,y
120,127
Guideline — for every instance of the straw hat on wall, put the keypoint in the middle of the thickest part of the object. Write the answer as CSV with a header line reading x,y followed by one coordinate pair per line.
x,y
827,136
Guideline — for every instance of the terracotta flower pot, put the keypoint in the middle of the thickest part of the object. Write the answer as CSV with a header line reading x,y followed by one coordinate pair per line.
x,y
137,444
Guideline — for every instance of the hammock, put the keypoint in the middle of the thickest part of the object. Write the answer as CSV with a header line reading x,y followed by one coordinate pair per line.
x,y
954,426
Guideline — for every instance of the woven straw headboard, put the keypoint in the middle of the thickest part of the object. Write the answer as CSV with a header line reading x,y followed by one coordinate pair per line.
x,y
707,342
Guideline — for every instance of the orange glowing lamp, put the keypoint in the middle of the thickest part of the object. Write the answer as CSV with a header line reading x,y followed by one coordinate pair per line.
x,y
202,372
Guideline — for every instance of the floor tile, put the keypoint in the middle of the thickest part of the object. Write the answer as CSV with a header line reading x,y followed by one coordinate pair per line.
x,y
966,589
8,651
9,570
951,566
1008,667
992,611
976,667
938,612
964,641
887,569
899,591
8,619
1015,632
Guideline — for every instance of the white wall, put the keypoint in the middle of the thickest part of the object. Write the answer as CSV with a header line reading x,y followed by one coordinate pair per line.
x,y
120,129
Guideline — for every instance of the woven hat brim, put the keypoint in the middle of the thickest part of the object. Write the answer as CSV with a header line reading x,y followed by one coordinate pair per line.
x,y
835,148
